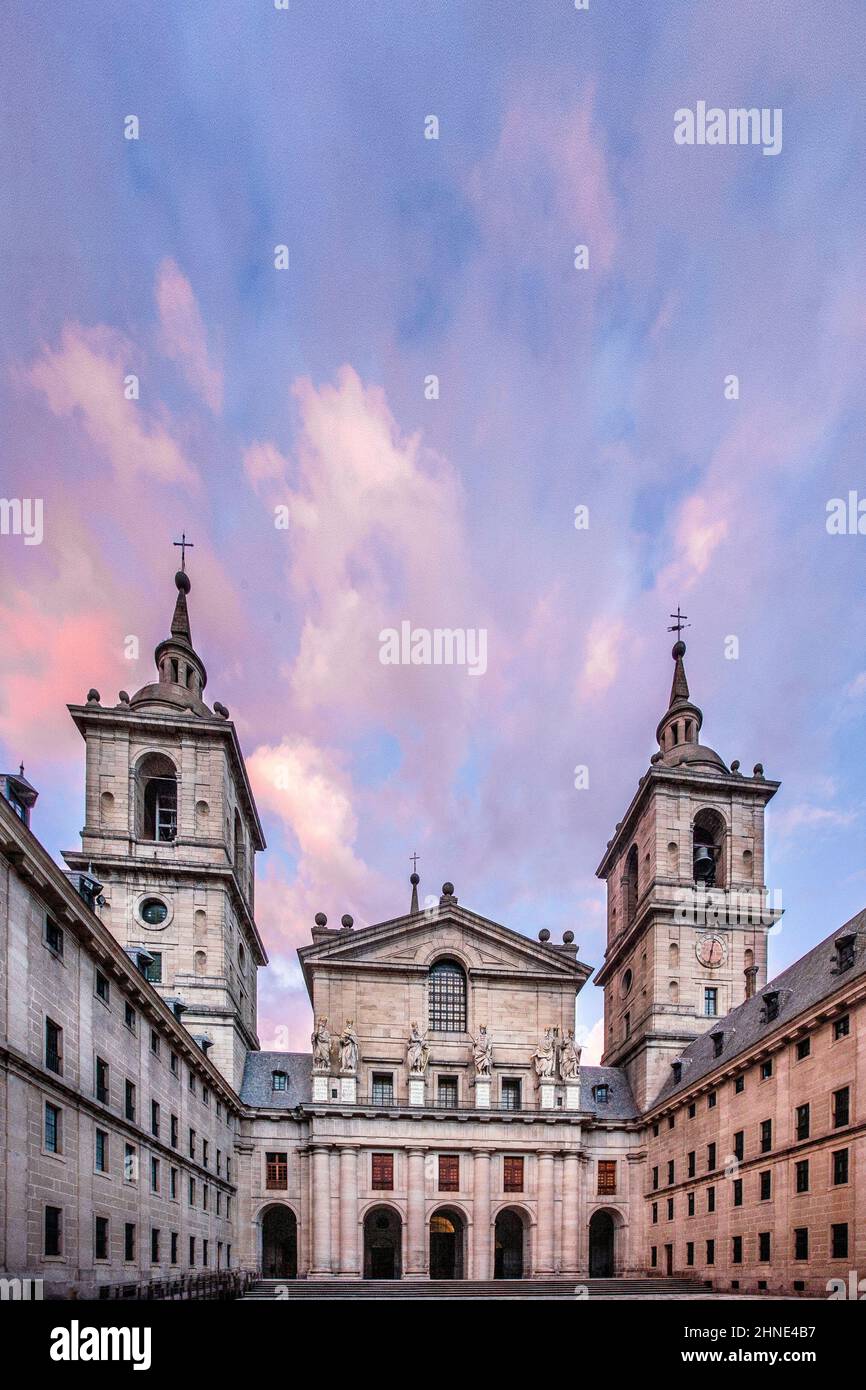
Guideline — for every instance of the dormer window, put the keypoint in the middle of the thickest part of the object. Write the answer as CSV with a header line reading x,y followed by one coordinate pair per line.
x,y
718,1040
771,1005
845,950
279,1080
677,1069
601,1093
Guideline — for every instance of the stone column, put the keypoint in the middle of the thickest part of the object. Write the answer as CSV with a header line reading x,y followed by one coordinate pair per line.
x,y
349,1212
416,1263
635,1257
481,1260
320,1185
570,1184
584,1174
544,1257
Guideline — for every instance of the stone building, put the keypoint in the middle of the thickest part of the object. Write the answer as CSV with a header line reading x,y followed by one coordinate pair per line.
x,y
442,1125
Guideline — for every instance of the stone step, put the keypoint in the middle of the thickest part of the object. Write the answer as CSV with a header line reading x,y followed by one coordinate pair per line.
x,y
295,1289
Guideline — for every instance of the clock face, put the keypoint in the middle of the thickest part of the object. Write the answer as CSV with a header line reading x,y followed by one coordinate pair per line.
x,y
711,950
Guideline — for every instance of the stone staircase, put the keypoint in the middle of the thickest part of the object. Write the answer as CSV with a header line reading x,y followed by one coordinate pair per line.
x,y
296,1289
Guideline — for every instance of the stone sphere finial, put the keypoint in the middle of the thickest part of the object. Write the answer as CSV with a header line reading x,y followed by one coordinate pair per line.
x,y
544,934
568,937
758,770
447,890
92,696
123,697
678,650
181,579
414,879
348,921
321,919
735,765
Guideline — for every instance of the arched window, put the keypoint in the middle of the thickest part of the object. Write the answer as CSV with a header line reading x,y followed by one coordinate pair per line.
x,y
156,798
239,850
447,996
631,886
708,849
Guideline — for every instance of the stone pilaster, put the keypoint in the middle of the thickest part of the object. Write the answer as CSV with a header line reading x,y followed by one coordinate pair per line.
x,y
544,1261
320,1205
416,1260
569,1260
483,1234
349,1266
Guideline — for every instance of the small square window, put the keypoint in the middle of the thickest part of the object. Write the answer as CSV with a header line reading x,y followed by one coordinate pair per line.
x,y
804,1048
446,1092
511,1098
103,990
711,1100
766,1068
383,1088
693,1110
739,1084
53,936
841,1027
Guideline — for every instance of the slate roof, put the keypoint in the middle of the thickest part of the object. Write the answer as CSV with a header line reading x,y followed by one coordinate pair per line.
x,y
257,1087
619,1106
803,985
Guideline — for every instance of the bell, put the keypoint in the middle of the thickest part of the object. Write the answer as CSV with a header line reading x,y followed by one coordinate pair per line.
x,y
704,864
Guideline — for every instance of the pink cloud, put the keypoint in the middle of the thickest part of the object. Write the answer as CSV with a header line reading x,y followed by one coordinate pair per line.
x,y
183,337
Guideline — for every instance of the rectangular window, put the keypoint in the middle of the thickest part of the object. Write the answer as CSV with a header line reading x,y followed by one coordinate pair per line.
x,y
192,1082
53,936
655,1213
841,1107
153,969
766,1136
449,1173
692,1161
53,1128
802,1122
204,1247
191,1191
205,1095
801,1243
840,1167
739,1144
711,1157
129,1016
711,1002
192,1252
804,1047
154,1118
100,1238
711,1252
192,1143
802,1172
219,1163
172,1184
383,1088
839,1241
841,1027
711,1100
129,1241
382,1174
277,1170
690,1252
173,1128
219,1201
767,1069
204,1152
672,1119
103,990
736,1250
101,1151
154,1175
739,1084
606,1177
204,1196
691,1204
446,1092
446,990
101,1080
654,1256
670,1208
766,1188
655,1179
763,1246
511,1098
693,1110
53,1231
53,1047
129,1100
174,1247
154,1042
738,1192
174,1064
711,1199
130,1164
154,1245
512,1174
670,1171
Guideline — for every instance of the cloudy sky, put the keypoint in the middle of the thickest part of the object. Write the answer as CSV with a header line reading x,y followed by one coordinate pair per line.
x,y
304,388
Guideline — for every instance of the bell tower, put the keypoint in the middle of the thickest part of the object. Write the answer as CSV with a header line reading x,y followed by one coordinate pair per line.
x,y
171,832
687,909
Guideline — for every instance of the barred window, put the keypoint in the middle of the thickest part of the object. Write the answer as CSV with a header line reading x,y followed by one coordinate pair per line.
x,y
277,1170
382,1175
447,992
449,1173
512,1173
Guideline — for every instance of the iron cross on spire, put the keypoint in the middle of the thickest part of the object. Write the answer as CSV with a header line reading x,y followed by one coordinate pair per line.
x,y
414,858
185,545
679,623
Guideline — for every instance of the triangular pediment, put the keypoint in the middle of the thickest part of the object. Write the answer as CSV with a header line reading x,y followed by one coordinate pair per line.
x,y
414,941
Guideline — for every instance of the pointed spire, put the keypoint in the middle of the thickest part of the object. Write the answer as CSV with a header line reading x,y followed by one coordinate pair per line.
x,y
680,686
180,628
414,879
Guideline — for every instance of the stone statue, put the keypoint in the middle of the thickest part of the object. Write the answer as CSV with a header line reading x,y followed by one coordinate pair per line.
x,y
418,1052
569,1058
350,1052
544,1056
321,1041
482,1052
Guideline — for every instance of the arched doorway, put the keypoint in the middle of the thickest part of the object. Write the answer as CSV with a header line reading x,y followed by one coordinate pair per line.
x,y
446,1244
508,1245
383,1233
279,1243
601,1245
